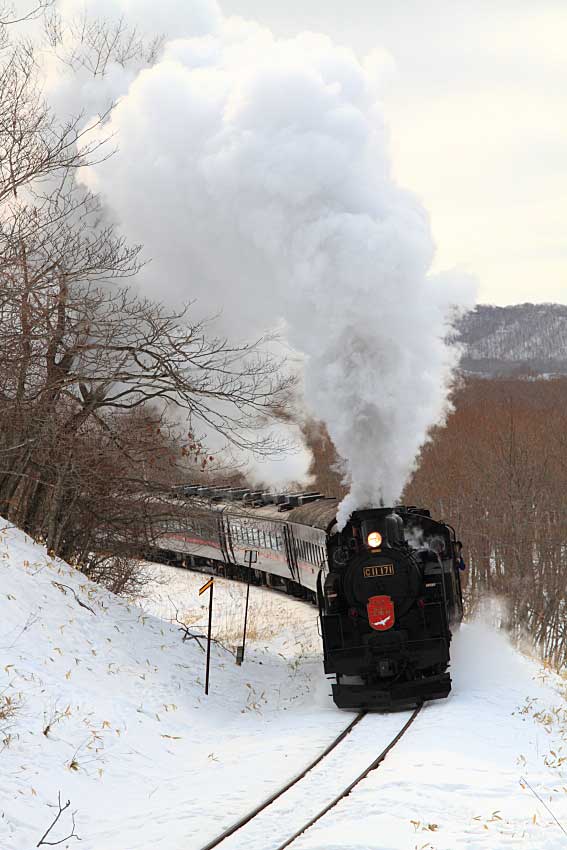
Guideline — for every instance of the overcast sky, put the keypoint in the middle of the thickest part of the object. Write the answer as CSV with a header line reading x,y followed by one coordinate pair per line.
x,y
477,108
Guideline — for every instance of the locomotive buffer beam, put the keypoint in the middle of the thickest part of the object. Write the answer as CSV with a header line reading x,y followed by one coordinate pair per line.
x,y
397,696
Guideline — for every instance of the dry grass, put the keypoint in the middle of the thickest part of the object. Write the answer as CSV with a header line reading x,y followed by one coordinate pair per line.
x,y
273,618
10,704
264,623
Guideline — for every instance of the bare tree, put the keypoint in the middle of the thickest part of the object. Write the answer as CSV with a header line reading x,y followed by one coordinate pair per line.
x,y
33,144
92,45
104,396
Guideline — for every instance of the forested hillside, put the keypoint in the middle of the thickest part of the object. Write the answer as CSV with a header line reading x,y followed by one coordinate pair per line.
x,y
498,472
515,339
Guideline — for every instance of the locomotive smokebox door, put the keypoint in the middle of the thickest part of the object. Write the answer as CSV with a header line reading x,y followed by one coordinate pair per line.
x,y
380,612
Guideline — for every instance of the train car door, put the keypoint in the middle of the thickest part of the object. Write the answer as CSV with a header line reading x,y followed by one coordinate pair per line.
x,y
290,551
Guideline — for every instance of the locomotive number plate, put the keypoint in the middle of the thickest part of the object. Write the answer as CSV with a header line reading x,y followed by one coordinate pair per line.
x,y
378,570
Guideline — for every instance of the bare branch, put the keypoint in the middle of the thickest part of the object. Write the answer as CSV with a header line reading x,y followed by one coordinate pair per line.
x,y
65,587
72,834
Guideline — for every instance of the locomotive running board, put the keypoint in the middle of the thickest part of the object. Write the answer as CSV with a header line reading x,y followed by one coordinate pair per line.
x,y
397,696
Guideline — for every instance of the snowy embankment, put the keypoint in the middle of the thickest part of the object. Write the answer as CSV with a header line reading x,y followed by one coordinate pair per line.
x,y
110,712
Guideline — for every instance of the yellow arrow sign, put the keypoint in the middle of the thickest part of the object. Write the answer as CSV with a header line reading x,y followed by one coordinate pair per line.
x,y
206,586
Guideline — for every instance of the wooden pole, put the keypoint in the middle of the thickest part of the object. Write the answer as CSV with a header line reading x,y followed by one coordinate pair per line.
x,y
209,638
246,608
251,556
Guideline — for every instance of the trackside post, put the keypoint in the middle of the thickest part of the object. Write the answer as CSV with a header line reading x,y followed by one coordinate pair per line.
x,y
208,586
251,556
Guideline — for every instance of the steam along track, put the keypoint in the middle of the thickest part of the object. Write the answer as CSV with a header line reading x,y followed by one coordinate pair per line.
x,y
387,584
293,809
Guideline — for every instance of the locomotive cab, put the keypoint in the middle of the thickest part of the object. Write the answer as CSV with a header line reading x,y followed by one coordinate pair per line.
x,y
386,606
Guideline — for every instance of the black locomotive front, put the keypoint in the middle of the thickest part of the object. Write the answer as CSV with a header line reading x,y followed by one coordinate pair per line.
x,y
386,608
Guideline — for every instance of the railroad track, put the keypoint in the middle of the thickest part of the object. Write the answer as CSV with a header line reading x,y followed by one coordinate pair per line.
x,y
277,820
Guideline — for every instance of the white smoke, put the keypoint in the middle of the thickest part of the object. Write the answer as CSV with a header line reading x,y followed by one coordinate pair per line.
x,y
255,171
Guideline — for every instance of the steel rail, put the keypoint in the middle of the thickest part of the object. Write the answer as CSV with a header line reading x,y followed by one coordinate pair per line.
x,y
377,761
273,797
260,808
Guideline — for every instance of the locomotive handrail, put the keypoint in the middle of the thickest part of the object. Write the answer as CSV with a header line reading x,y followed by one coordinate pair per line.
x,y
443,574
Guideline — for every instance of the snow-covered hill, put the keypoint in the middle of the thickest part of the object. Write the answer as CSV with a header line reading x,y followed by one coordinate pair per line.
x,y
113,715
507,340
110,713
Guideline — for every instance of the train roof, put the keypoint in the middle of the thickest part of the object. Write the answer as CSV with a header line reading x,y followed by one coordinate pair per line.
x,y
319,514
314,509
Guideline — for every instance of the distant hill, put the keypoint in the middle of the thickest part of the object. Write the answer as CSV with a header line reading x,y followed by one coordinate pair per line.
x,y
514,340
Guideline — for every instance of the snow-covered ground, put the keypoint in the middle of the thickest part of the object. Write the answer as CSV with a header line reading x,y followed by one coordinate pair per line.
x,y
110,712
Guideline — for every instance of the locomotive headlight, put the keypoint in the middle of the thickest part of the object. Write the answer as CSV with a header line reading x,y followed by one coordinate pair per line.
x,y
374,539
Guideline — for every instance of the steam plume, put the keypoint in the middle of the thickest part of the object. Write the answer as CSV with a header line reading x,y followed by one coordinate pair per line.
x,y
255,171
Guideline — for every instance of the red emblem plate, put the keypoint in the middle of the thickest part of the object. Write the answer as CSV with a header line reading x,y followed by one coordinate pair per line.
x,y
380,612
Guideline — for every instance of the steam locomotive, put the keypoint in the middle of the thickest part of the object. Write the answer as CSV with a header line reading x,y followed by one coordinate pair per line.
x,y
387,586
387,605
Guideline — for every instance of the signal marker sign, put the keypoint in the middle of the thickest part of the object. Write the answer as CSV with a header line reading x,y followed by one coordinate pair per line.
x,y
206,586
